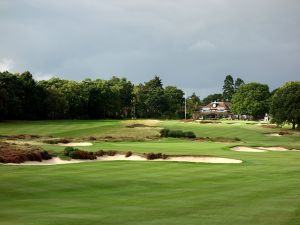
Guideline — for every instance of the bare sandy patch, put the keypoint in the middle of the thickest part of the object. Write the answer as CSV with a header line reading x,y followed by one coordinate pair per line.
x,y
18,142
77,144
275,135
261,149
273,148
53,161
247,149
204,159
120,157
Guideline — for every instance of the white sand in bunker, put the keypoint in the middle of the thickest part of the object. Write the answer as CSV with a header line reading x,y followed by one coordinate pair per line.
x,y
273,148
203,159
275,135
77,144
260,149
247,149
53,161
120,157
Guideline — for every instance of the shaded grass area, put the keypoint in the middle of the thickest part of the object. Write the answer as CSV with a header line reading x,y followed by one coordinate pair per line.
x,y
151,193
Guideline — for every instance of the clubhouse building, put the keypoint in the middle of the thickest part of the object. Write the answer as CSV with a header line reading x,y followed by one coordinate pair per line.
x,y
214,110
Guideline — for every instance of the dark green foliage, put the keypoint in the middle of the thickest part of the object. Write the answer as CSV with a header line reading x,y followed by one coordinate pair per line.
x,y
251,99
21,97
68,151
228,88
189,134
193,103
177,133
238,83
164,132
211,98
285,104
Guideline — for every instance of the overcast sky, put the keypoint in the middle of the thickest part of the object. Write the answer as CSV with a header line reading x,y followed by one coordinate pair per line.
x,y
192,44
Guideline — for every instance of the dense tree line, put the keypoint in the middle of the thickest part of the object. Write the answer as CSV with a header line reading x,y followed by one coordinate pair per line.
x,y
21,97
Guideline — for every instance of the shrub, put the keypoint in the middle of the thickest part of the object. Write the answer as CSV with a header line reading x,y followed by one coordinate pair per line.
x,y
64,141
164,156
189,134
128,154
152,156
100,153
164,132
56,141
13,154
176,133
111,153
68,150
80,154
91,138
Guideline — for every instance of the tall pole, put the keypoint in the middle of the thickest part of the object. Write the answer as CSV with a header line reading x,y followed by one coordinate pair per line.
x,y
184,106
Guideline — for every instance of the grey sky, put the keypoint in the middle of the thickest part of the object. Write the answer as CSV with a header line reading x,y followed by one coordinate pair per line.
x,y
192,44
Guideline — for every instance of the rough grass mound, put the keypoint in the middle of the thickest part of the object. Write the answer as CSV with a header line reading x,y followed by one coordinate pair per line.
x,y
16,154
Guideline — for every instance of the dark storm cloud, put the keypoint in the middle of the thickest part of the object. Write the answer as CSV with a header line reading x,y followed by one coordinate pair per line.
x,y
189,43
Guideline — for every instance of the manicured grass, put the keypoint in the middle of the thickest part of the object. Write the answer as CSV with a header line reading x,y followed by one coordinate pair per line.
x,y
75,128
263,190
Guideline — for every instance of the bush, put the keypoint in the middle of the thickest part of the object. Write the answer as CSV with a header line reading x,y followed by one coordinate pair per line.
x,y
164,132
189,134
100,153
128,154
152,156
111,153
80,154
13,154
57,141
68,150
177,133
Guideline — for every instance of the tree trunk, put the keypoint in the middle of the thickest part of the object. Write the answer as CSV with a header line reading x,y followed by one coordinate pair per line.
x,y
294,125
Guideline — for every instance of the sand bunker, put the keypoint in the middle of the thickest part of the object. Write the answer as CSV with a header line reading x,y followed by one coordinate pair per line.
x,y
204,159
77,144
118,157
53,161
273,148
247,149
275,135
261,149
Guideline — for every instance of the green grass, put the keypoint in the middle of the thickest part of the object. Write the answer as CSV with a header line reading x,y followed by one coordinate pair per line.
x,y
263,190
74,128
